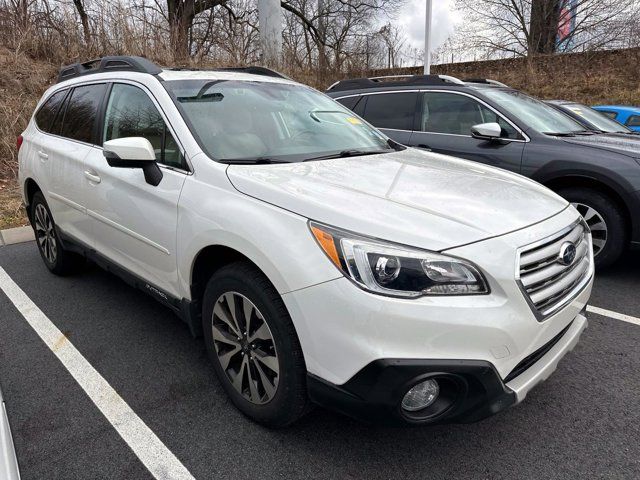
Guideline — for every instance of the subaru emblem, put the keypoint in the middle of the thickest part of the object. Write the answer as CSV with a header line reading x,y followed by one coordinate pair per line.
x,y
567,253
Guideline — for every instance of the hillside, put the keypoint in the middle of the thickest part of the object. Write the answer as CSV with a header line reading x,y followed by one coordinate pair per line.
x,y
591,78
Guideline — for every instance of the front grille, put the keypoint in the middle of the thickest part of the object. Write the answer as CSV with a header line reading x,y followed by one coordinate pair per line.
x,y
549,283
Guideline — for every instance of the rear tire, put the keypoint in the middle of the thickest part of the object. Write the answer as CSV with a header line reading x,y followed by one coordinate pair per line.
x,y
606,220
258,362
57,259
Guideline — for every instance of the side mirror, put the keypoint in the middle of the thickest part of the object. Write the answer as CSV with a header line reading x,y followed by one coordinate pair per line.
x,y
133,152
486,131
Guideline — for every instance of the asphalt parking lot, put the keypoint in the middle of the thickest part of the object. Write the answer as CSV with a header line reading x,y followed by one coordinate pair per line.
x,y
583,422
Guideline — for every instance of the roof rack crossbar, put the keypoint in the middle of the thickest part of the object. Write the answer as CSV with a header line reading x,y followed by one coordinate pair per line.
x,y
403,80
253,70
109,64
487,81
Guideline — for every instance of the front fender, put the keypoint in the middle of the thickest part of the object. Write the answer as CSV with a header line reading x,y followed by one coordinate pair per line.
x,y
277,241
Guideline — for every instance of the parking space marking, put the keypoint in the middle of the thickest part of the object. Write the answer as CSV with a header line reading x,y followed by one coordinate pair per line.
x,y
615,315
155,456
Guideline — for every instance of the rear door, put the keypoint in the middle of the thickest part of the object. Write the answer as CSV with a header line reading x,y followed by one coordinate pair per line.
x,y
135,222
444,126
73,139
392,112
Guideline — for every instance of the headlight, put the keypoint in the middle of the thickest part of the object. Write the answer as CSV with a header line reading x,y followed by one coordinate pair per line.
x,y
396,270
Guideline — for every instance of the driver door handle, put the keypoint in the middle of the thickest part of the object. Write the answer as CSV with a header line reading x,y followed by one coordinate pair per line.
x,y
92,177
43,156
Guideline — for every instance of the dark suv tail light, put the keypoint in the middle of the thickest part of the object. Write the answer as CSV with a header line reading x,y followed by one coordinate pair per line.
x,y
19,143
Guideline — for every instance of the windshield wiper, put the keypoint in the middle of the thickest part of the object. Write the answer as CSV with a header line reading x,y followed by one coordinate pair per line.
x,y
347,153
560,134
250,161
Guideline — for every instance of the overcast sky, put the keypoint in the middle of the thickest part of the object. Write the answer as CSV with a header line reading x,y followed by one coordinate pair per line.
x,y
412,20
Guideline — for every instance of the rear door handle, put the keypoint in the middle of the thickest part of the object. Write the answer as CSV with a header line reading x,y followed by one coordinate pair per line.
x,y
43,156
425,147
92,177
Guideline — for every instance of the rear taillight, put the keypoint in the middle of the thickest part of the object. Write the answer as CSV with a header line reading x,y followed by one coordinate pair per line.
x,y
19,143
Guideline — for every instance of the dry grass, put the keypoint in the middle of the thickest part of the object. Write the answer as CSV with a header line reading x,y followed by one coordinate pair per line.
x,y
11,208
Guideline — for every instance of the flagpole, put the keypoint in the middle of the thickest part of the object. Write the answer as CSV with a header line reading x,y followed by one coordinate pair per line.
x,y
427,38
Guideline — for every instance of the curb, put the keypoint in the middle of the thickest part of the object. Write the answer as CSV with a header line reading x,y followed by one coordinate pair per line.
x,y
11,236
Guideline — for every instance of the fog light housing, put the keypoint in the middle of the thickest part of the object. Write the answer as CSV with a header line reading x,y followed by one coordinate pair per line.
x,y
421,395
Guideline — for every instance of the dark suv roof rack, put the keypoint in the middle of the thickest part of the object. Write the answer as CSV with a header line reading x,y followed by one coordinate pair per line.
x,y
109,64
395,80
486,81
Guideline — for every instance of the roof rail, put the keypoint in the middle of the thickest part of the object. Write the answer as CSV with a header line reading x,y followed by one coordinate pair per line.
x,y
109,64
403,80
486,81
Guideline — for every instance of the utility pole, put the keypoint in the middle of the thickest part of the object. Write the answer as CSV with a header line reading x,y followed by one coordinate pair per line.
x,y
270,18
427,38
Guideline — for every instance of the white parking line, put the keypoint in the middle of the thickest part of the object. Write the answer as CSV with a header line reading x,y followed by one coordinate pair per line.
x,y
615,315
158,459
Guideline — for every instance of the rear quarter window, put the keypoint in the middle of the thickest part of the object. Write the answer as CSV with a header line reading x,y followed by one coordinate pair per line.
x,y
47,113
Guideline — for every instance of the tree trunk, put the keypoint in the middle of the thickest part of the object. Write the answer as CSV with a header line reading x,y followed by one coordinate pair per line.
x,y
84,19
543,29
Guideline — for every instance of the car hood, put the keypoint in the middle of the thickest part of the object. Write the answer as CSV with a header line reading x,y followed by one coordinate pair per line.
x,y
411,197
624,144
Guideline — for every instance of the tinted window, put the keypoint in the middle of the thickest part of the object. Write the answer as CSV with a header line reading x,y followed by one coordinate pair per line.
x,y
456,114
609,114
391,110
349,102
634,121
131,113
81,113
46,114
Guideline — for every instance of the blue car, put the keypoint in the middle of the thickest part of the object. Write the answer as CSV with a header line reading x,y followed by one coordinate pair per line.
x,y
629,116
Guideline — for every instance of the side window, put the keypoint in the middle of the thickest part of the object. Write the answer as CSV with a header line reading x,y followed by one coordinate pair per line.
x,y
391,110
611,115
81,112
48,111
455,114
349,102
633,121
131,113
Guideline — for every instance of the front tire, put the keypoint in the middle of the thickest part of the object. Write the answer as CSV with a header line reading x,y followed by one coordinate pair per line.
x,y
253,346
605,219
57,259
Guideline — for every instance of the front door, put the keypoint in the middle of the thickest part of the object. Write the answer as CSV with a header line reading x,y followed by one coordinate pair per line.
x,y
444,126
134,222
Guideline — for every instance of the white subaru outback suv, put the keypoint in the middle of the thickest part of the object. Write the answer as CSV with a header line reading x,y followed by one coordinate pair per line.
x,y
321,261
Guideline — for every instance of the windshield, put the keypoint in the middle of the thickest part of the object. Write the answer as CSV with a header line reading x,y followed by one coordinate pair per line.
x,y
597,119
536,114
271,122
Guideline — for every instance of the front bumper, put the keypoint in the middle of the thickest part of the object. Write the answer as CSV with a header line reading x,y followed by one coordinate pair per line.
x,y
472,389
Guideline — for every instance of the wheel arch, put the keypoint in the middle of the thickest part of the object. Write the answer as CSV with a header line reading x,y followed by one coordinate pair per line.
x,y
30,189
605,188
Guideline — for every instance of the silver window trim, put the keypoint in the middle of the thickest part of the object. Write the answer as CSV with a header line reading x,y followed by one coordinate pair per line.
x,y
482,102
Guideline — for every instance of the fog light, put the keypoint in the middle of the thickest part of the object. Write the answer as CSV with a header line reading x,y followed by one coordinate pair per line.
x,y
421,396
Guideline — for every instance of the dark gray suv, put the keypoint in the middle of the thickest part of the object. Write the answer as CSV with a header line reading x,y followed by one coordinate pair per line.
x,y
488,122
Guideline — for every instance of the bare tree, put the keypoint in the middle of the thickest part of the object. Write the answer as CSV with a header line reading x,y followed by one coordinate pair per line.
x,y
529,27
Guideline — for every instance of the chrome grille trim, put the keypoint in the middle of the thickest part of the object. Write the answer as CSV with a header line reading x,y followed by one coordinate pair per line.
x,y
548,284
